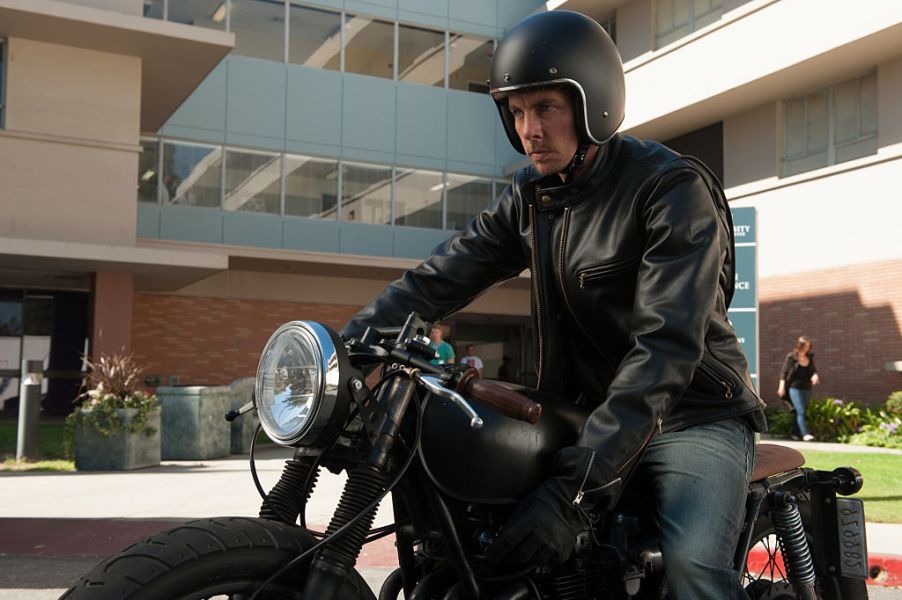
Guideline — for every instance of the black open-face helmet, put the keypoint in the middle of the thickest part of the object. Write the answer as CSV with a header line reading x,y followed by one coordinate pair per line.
x,y
562,48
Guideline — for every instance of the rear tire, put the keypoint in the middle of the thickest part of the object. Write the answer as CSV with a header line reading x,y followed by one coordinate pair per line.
x,y
769,582
223,557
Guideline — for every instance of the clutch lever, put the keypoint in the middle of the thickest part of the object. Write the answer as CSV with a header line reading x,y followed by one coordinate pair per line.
x,y
434,385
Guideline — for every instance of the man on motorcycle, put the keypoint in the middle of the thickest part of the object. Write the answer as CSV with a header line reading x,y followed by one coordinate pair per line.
x,y
630,249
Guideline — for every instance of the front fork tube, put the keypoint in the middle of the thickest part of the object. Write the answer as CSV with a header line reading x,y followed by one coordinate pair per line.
x,y
331,564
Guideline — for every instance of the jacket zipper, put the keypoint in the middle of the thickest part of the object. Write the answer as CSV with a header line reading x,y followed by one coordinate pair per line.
x,y
596,272
535,287
563,278
660,426
712,374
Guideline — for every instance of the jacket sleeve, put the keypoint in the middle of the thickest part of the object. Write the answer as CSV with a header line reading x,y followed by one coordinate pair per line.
x,y
677,292
813,368
787,367
487,252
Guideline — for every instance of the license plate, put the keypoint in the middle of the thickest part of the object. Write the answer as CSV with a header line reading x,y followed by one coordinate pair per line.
x,y
853,552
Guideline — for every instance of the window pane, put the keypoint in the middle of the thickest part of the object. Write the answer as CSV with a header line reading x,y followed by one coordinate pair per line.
x,y
147,171
38,315
418,200
705,12
469,61
365,193
853,150
664,14
252,181
466,196
845,111
867,95
369,46
421,56
817,121
314,38
680,13
259,27
191,174
311,186
10,315
794,141
153,9
204,13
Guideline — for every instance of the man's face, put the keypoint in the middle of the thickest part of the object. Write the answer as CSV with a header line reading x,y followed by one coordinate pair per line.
x,y
544,122
436,334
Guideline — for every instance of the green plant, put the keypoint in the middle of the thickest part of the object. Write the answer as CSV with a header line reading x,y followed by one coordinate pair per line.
x,y
779,420
893,404
883,429
834,420
114,384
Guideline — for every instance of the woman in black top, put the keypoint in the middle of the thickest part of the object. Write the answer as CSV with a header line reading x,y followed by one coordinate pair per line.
x,y
798,376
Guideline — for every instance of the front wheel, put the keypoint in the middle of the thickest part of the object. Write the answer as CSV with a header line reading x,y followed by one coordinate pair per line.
x,y
223,557
765,576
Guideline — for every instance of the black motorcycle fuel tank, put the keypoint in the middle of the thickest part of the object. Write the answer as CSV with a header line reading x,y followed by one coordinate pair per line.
x,y
502,461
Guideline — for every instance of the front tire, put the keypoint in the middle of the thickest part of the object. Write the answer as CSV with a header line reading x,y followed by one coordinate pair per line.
x,y
223,557
769,582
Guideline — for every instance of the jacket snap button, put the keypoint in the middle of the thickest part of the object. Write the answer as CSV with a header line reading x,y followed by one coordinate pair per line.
x,y
545,198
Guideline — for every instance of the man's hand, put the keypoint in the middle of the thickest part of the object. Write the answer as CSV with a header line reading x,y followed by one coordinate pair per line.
x,y
544,526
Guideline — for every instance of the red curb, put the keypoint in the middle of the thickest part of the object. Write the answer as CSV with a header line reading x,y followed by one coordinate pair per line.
x,y
885,569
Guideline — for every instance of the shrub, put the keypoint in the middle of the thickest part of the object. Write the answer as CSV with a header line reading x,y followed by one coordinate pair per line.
x,y
115,384
834,420
882,429
893,404
779,420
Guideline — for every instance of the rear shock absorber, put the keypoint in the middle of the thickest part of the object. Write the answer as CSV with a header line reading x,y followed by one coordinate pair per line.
x,y
793,545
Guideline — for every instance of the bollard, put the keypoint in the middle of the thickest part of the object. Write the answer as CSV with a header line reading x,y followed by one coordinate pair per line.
x,y
29,408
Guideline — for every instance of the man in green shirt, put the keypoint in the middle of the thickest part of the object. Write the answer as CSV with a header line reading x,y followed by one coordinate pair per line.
x,y
444,353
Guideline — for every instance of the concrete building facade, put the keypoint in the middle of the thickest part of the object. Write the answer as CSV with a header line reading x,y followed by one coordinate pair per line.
x,y
179,178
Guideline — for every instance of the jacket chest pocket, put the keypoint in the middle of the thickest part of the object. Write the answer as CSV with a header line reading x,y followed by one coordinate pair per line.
x,y
605,270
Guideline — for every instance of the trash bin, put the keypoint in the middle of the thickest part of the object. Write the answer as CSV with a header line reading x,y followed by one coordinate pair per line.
x,y
193,425
243,427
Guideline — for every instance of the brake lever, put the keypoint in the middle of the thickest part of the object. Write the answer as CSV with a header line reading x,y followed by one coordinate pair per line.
x,y
434,385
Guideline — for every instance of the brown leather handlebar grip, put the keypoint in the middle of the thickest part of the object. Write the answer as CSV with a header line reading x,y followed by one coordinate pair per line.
x,y
496,396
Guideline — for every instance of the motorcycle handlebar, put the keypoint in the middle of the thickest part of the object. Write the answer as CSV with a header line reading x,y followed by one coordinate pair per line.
x,y
496,396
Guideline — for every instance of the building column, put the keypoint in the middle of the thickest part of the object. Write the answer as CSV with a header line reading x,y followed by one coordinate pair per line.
x,y
112,296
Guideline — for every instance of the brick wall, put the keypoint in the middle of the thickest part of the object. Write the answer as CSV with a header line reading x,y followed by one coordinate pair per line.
x,y
853,316
214,340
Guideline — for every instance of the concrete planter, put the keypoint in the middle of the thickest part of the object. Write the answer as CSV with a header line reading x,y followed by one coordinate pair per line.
x,y
120,451
243,428
193,425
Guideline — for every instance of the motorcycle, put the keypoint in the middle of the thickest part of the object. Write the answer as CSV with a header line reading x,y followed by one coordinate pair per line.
x,y
456,453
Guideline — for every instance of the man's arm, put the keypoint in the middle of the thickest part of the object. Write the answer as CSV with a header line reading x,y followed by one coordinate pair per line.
x,y
677,292
486,252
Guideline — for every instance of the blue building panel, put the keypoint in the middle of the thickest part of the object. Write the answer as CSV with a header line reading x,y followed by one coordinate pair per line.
x,y
435,8
473,11
368,113
148,220
206,107
256,97
252,229
317,235
194,134
387,9
314,106
416,242
362,238
422,121
186,224
470,119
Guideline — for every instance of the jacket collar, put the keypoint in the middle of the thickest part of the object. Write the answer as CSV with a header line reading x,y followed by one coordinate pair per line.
x,y
549,193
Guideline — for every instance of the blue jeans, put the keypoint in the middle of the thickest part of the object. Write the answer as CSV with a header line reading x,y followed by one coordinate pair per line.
x,y
699,478
799,399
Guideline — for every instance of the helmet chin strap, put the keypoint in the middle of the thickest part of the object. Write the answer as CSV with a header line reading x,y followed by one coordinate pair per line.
x,y
576,162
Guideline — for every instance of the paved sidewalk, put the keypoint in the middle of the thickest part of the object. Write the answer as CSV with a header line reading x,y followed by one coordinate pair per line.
x,y
56,526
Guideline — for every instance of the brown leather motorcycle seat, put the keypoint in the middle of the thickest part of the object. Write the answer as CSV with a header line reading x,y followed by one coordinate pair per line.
x,y
771,459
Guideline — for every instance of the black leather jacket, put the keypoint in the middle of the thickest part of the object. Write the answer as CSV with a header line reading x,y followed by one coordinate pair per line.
x,y
632,272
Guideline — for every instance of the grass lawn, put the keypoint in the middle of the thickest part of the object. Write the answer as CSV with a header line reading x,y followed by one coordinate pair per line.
x,y
51,452
882,491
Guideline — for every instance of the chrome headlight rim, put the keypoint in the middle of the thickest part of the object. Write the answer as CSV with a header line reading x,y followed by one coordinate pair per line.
x,y
326,394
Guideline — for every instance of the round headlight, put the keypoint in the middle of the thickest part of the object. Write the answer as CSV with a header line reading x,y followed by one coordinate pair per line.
x,y
297,383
